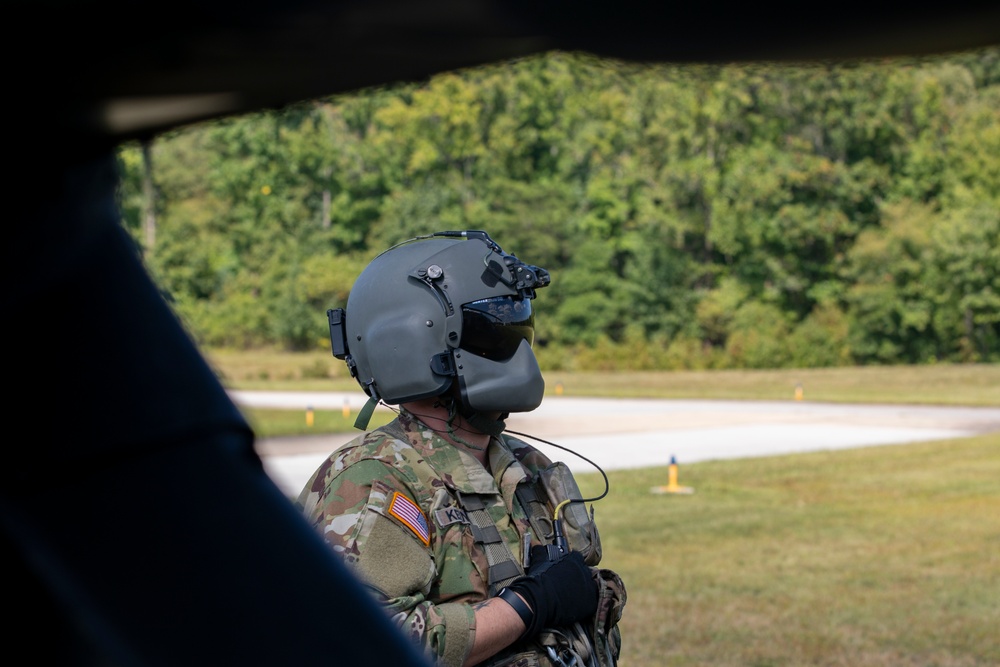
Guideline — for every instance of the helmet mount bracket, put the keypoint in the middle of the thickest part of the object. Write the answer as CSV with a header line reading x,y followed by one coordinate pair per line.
x,y
432,276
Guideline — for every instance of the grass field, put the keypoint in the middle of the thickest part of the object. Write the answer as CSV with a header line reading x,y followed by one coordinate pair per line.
x,y
878,557
943,384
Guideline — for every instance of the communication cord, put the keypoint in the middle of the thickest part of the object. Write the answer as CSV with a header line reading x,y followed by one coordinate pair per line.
x,y
556,521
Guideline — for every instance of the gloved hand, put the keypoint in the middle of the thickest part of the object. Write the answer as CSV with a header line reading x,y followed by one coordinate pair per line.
x,y
559,592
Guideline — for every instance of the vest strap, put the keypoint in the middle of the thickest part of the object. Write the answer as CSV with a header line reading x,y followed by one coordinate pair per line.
x,y
503,566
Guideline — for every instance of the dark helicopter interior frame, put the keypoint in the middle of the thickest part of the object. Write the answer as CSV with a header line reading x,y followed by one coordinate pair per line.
x,y
139,527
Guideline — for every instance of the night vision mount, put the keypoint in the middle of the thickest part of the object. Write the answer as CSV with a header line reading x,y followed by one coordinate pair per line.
x,y
526,278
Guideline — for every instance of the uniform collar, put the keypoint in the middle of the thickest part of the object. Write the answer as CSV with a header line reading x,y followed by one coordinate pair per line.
x,y
458,469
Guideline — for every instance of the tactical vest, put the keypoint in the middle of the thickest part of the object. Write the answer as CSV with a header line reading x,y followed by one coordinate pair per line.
x,y
599,643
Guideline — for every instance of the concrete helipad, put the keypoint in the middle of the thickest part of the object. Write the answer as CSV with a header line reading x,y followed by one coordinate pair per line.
x,y
636,433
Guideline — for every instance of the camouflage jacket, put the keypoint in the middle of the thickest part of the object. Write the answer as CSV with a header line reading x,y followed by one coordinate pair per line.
x,y
392,510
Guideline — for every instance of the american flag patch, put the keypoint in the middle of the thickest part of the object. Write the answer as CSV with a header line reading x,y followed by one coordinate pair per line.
x,y
407,511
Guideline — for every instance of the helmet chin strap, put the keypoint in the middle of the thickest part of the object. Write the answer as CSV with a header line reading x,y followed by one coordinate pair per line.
x,y
478,420
485,424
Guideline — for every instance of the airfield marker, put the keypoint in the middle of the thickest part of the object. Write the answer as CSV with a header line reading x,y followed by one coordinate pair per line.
x,y
672,486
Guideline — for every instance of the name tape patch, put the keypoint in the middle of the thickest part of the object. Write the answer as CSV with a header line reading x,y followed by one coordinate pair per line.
x,y
450,515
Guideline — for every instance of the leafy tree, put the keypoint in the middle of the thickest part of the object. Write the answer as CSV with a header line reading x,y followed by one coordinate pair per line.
x,y
890,298
967,300
758,335
696,216
591,302
821,339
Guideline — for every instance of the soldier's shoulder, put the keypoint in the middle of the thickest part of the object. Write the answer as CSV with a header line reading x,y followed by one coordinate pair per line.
x,y
381,454
376,444
526,453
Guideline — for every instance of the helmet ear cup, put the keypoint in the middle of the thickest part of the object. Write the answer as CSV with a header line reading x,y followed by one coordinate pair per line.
x,y
515,385
398,348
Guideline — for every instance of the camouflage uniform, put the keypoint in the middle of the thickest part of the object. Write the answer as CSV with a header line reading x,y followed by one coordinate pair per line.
x,y
392,508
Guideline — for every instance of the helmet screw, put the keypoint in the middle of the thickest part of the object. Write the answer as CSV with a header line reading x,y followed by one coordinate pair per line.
x,y
434,272
453,335
429,323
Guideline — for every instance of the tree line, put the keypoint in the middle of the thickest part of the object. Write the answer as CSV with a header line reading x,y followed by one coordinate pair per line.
x,y
691,216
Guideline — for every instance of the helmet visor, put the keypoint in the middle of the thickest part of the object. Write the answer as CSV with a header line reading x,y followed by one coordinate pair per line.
x,y
494,327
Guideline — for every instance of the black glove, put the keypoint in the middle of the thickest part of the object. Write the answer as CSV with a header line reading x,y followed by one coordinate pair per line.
x,y
559,592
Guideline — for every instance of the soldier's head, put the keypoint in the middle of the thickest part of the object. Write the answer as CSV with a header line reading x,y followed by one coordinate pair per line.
x,y
448,314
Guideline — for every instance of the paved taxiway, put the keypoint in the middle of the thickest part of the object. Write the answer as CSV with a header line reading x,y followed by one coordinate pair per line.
x,y
637,433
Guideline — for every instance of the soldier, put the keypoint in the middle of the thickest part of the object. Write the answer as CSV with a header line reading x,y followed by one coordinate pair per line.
x,y
478,545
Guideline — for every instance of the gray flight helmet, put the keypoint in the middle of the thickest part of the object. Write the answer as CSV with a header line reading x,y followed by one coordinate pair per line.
x,y
402,332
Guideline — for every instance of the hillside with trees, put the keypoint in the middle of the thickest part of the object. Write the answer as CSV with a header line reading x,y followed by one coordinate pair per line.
x,y
692,217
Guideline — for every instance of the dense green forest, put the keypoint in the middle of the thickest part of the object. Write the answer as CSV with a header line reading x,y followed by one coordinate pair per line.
x,y
691,216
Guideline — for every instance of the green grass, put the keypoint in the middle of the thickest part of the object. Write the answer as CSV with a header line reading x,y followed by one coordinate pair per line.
x,y
273,370
938,384
941,384
269,423
875,557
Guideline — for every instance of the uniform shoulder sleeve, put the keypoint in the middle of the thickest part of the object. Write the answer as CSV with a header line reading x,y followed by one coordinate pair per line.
x,y
389,549
372,517
375,523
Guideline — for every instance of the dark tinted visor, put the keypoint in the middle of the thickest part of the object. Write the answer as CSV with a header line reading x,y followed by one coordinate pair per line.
x,y
494,328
